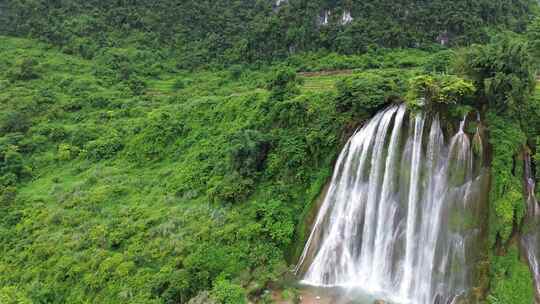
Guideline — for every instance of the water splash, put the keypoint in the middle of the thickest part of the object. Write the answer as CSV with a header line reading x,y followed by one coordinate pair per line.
x,y
401,218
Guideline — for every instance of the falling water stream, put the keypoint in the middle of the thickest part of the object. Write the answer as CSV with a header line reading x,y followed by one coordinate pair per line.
x,y
401,218
531,236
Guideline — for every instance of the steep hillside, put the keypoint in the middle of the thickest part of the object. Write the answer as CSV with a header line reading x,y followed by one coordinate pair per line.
x,y
125,181
197,32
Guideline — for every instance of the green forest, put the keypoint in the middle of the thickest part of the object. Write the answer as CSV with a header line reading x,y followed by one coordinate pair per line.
x,y
174,151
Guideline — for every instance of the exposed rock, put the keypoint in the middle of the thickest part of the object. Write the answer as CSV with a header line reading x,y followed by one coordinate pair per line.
x,y
202,298
324,18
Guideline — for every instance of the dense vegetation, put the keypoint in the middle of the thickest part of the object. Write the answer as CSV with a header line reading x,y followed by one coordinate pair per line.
x,y
196,32
123,190
128,177
504,74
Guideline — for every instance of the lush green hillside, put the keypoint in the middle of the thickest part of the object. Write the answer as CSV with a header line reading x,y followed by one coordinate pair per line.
x,y
124,181
128,176
197,32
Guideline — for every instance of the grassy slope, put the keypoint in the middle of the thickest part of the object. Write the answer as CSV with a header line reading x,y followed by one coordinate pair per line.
x,y
116,205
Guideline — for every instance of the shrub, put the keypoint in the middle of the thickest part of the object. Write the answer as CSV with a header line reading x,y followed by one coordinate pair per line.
x,y
427,90
232,188
533,36
8,179
179,84
506,197
99,102
236,71
440,62
366,93
24,69
248,152
7,194
157,133
282,84
225,292
12,295
137,85
277,221
11,162
503,72
512,280
83,134
67,152
46,96
14,121
104,147
54,133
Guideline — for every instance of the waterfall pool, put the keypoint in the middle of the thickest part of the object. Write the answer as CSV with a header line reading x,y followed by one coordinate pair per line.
x,y
337,295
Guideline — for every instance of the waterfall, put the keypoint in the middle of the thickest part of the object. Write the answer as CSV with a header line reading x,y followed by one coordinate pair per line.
x,y
401,218
346,18
531,236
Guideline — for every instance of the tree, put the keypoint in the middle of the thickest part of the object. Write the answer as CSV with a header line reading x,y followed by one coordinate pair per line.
x,y
25,69
282,84
533,36
502,72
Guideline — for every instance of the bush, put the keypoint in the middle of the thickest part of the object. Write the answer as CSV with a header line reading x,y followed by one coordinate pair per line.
x,y
67,152
233,188
14,121
225,292
277,221
507,205
440,62
98,102
7,194
283,84
179,84
366,93
512,280
158,132
54,133
24,69
533,36
503,72
12,295
104,147
427,90
248,152
11,163
236,71
137,85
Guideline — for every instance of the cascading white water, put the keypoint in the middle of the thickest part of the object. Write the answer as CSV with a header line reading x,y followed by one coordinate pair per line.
x,y
401,218
531,237
346,18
